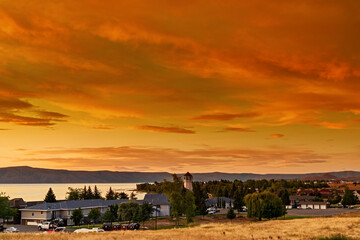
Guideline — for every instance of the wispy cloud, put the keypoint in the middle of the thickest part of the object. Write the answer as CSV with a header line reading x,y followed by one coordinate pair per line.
x,y
224,116
277,135
236,129
165,129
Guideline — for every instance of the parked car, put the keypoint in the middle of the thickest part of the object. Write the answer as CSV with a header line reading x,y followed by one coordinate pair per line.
x,y
211,212
46,226
11,230
131,226
308,208
351,207
107,227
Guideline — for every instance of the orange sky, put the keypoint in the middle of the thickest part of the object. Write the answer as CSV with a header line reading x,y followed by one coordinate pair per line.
x,y
200,86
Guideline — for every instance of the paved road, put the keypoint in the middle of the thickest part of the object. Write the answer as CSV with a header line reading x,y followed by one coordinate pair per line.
x,y
318,212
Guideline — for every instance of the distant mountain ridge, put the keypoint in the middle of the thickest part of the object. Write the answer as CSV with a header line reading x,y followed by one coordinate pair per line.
x,y
40,175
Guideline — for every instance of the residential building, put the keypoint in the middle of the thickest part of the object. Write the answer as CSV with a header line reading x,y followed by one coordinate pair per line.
x,y
49,211
219,202
160,202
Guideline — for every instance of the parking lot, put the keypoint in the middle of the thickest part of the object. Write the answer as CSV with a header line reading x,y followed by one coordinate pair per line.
x,y
319,212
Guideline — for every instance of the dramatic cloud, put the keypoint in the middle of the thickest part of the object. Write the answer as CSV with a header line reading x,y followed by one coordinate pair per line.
x,y
168,158
165,129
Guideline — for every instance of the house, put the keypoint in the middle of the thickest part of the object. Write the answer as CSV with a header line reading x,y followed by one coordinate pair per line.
x,y
313,205
160,202
296,199
49,211
220,202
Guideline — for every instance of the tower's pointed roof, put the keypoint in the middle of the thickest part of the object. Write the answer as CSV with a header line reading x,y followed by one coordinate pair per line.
x,y
187,175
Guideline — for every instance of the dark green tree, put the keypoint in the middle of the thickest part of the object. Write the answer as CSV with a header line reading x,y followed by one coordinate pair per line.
x,y
349,198
94,214
200,196
128,211
238,200
74,193
144,213
5,211
97,194
189,206
110,195
84,194
77,215
177,205
123,195
264,205
108,217
271,205
231,214
50,196
89,193
114,209
285,197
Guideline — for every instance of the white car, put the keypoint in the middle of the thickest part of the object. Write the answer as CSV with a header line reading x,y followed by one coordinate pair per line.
x,y
85,230
11,230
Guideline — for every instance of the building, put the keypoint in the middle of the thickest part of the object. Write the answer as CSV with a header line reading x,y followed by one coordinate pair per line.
x,y
219,202
296,199
49,211
160,202
188,178
313,205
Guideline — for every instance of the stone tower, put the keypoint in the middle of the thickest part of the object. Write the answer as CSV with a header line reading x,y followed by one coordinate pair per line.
x,y
188,181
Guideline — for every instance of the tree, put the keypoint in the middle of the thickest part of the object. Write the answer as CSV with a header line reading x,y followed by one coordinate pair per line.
x,y
94,214
177,205
264,205
5,211
200,196
89,193
231,214
238,200
110,195
114,209
128,211
77,215
144,212
108,216
285,197
189,206
84,194
123,195
349,198
50,196
97,194
73,193
271,205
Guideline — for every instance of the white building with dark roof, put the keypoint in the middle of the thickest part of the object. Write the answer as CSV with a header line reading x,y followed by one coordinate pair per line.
x,y
49,211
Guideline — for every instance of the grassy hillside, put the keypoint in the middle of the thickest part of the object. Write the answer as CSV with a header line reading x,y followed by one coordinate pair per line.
x,y
308,228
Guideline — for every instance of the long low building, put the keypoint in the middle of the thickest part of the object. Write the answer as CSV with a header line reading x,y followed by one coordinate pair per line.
x,y
313,205
49,211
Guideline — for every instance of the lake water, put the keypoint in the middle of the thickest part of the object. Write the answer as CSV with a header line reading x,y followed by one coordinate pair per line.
x,y
37,192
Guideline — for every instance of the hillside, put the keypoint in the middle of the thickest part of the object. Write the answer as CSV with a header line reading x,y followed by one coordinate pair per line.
x,y
40,175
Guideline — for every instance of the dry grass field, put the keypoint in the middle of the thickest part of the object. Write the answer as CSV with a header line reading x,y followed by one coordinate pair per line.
x,y
309,228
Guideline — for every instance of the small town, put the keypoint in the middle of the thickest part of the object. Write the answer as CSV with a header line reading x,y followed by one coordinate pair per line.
x,y
180,203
